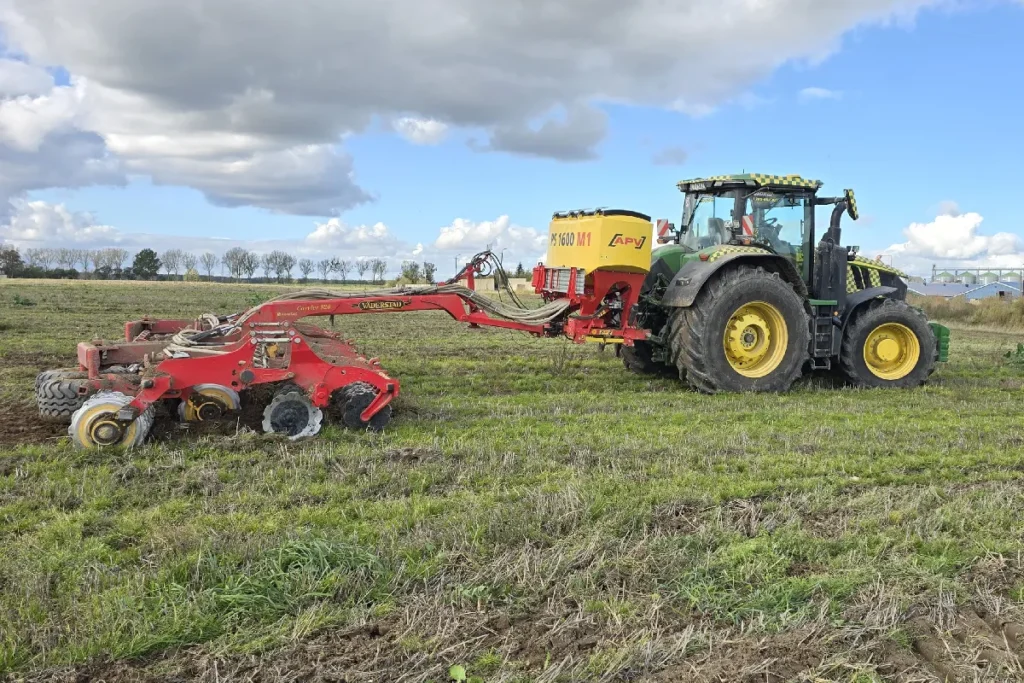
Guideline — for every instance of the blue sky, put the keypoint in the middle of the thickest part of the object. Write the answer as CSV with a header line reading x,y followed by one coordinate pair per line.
x,y
924,112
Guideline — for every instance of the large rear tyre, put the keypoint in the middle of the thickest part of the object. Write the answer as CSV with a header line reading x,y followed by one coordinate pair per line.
x,y
747,330
889,344
638,359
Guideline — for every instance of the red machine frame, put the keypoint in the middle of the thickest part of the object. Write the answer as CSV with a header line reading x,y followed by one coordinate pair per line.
x,y
322,362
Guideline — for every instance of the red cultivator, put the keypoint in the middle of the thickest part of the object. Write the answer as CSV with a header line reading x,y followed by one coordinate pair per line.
x,y
201,366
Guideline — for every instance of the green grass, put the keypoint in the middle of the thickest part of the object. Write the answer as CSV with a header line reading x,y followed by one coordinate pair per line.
x,y
613,524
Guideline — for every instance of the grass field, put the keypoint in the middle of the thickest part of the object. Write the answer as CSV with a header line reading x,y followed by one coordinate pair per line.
x,y
534,512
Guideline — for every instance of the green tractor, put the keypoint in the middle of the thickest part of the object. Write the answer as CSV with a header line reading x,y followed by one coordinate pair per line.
x,y
741,297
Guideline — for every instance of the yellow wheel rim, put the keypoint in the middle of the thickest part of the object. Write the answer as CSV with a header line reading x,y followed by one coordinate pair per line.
x,y
892,351
98,428
221,395
756,339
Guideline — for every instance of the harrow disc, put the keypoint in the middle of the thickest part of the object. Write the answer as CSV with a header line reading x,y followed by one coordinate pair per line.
x,y
94,425
291,413
208,402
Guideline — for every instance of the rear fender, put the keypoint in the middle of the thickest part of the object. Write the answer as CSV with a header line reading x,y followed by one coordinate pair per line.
x,y
690,279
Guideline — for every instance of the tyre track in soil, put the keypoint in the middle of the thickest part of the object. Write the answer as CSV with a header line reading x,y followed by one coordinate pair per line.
x,y
977,646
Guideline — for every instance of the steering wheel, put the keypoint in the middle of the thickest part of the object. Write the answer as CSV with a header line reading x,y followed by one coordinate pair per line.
x,y
771,229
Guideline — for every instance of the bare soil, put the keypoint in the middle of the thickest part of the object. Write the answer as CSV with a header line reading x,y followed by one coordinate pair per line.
x,y
22,425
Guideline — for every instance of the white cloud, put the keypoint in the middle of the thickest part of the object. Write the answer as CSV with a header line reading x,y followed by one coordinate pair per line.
x,y
367,240
256,85
21,78
26,120
812,94
421,131
953,240
468,237
49,224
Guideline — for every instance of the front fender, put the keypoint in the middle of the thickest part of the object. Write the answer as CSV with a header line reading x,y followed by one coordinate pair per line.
x,y
858,299
690,279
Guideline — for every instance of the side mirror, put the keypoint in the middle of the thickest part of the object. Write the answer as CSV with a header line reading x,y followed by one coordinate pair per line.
x,y
851,204
666,231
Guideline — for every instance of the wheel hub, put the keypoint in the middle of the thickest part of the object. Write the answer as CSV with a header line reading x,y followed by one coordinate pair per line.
x,y
891,351
106,431
291,413
888,350
756,339
749,339
208,402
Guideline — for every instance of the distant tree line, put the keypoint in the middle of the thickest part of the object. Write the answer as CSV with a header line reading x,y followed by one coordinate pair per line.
x,y
177,264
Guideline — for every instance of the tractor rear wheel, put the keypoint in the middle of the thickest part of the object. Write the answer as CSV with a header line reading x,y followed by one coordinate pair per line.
x,y
889,344
747,330
639,359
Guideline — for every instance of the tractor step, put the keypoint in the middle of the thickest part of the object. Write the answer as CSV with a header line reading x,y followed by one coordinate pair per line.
x,y
824,332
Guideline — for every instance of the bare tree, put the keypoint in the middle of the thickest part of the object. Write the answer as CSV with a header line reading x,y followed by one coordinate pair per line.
x,y
172,261
189,261
380,269
234,260
306,267
98,257
46,257
250,262
325,266
83,257
429,270
209,261
283,263
117,257
32,257
267,262
66,258
343,268
361,266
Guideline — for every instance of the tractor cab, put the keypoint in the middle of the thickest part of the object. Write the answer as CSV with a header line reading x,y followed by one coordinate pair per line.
x,y
774,213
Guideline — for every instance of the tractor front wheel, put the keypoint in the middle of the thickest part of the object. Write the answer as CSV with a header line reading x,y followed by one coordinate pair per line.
x,y
747,330
889,344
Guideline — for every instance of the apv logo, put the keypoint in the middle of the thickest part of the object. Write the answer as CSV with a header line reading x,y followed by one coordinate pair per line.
x,y
621,241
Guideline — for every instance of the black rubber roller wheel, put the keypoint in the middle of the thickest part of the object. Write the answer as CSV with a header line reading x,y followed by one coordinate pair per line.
x,y
889,344
58,399
354,399
747,330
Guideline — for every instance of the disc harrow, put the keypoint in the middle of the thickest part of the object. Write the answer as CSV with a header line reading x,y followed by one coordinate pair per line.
x,y
201,369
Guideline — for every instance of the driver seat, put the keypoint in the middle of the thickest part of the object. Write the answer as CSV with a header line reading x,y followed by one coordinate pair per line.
x,y
717,232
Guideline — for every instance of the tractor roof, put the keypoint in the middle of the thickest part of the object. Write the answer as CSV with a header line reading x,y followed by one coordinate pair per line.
x,y
756,180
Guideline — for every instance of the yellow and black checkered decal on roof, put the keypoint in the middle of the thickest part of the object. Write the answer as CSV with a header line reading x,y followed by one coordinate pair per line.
x,y
759,179
729,251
